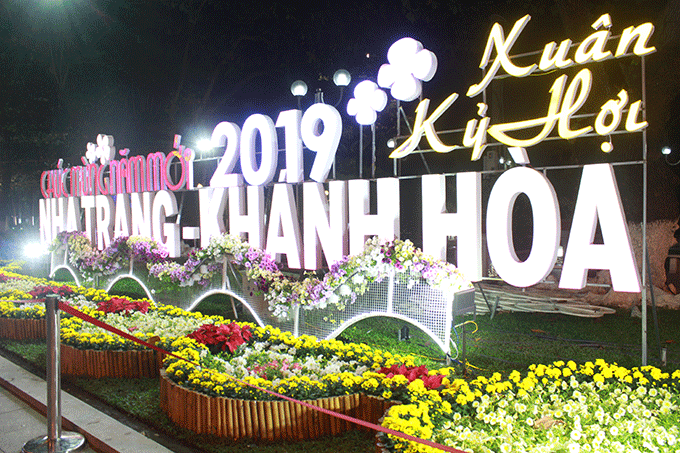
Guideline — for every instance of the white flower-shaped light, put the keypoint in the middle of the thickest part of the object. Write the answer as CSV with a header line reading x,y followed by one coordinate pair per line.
x,y
103,150
409,64
368,99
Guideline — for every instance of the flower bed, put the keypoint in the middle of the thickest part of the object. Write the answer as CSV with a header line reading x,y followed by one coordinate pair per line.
x,y
345,378
559,407
264,420
298,367
98,364
22,328
91,351
22,314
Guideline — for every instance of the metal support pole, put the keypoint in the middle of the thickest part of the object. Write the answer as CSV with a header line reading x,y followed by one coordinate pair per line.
x,y
373,151
56,441
644,218
394,161
361,151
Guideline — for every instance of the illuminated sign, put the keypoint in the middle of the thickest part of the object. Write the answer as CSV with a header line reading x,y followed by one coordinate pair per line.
x,y
565,99
108,197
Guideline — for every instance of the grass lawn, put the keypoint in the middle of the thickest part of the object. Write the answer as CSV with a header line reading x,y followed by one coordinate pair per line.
x,y
508,341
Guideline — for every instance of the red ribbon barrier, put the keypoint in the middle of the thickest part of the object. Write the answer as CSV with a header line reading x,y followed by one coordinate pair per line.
x,y
68,309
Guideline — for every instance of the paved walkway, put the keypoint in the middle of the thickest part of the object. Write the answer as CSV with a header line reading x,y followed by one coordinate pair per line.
x,y
22,406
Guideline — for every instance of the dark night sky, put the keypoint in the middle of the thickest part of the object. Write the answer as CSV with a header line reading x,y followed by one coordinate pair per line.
x,y
143,70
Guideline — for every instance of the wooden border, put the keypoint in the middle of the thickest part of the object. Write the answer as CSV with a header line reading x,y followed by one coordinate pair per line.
x,y
22,328
263,420
98,364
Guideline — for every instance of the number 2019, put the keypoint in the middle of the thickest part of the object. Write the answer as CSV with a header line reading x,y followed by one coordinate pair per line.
x,y
298,129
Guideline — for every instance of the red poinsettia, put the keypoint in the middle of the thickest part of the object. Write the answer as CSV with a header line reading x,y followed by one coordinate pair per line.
x,y
222,336
120,304
39,292
413,373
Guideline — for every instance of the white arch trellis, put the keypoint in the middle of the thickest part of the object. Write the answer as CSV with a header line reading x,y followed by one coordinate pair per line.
x,y
427,308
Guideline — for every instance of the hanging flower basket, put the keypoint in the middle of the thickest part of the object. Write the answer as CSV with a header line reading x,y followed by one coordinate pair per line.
x,y
98,364
264,420
22,328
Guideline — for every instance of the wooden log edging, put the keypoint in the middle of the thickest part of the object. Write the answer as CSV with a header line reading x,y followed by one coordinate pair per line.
x,y
22,328
264,420
98,364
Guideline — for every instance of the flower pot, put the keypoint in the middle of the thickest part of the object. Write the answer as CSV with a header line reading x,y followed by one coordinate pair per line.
x,y
264,420
98,364
22,329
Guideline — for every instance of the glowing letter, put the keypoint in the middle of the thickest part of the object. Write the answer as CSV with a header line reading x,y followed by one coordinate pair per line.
x,y
58,212
263,125
141,214
551,60
546,232
87,203
598,198
104,206
384,224
320,226
425,126
283,235
497,41
155,172
324,144
211,203
465,224
166,233
643,33
592,48
73,215
45,221
121,223
251,223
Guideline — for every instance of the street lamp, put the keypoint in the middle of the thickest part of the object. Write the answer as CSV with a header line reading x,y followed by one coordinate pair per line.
x,y
341,79
666,151
299,89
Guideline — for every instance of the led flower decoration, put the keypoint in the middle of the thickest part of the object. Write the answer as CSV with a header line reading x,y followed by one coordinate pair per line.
x,y
409,64
368,99
103,150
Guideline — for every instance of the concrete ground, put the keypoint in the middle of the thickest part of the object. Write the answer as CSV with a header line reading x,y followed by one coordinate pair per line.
x,y
22,418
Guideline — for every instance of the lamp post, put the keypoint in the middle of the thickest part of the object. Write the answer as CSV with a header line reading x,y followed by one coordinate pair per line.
x,y
666,151
299,89
341,79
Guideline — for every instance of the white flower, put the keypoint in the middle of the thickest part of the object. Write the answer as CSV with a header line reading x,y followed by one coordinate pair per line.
x,y
409,64
344,290
333,299
368,99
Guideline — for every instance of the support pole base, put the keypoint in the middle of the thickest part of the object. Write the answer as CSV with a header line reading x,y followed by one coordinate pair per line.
x,y
67,443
